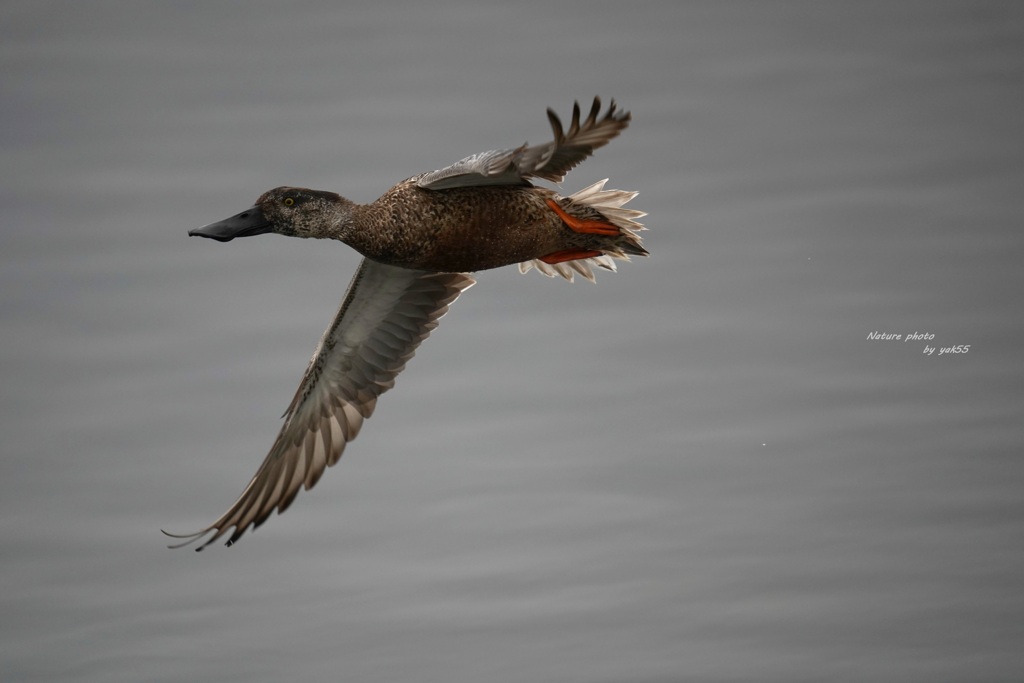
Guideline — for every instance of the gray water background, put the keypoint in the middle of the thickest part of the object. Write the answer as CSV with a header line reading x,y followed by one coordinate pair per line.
x,y
699,469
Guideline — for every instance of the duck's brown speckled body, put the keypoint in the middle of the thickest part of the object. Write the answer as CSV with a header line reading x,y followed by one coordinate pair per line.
x,y
421,238
460,229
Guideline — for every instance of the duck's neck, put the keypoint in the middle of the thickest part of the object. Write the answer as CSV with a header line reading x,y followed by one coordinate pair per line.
x,y
337,221
375,231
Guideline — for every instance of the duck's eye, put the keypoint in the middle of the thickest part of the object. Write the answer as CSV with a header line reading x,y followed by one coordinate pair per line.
x,y
288,201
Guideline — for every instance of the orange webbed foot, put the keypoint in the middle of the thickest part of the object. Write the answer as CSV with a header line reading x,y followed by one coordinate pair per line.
x,y
568,255
581,225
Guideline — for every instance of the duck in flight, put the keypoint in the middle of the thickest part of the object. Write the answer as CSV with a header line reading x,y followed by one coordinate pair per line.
x,y
419,241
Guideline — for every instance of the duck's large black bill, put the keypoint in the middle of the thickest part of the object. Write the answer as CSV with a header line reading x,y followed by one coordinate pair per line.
x,y
249,222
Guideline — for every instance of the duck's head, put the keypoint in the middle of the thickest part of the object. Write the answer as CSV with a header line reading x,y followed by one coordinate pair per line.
x,y
292,211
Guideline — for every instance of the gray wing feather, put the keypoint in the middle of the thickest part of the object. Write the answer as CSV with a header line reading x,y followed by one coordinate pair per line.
x,y
384,316
550,161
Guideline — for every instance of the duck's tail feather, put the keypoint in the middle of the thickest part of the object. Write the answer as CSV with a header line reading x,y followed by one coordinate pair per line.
x,y
609,204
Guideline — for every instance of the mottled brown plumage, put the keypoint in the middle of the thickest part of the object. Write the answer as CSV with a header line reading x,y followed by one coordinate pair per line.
x,y
420,239
462,229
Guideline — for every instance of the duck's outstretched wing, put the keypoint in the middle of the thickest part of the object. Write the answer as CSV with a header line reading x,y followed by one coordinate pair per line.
x,y
384,316
550,161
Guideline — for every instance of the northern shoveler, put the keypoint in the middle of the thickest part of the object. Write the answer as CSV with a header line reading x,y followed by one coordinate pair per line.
x,y
419,240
